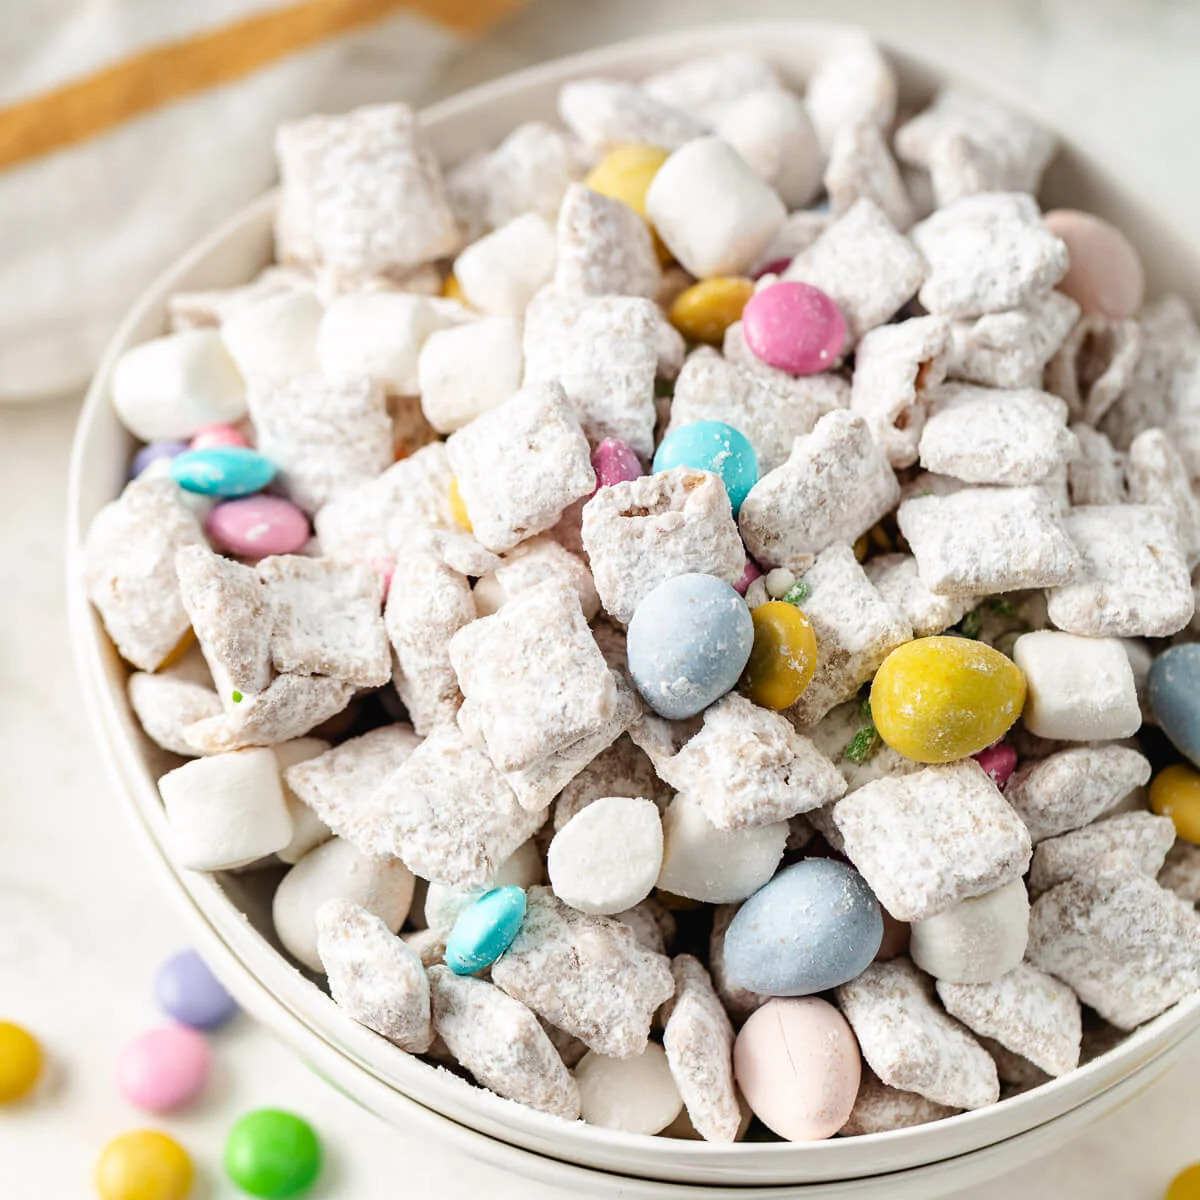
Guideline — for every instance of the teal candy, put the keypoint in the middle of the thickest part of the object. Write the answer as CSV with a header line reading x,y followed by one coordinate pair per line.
x,y
1173,688
485,930
222,471
716,447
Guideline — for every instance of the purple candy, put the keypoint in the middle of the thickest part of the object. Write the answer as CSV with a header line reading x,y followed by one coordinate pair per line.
x,y
152,453
999,761
190,993
614,462
749,575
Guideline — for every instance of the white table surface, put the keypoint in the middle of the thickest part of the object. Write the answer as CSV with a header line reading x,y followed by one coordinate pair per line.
x,y
82,926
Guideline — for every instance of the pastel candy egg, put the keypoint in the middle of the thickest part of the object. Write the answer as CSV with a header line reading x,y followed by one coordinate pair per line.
x,y
814,926
999,761
144,1165
20,1062
1106,277
626,172
783,658
218,435
189,992
614,462
688,643
273,1154
797,1064
705,310
794,327
152,453
716,447
222,471
635,1095
255,526
1175,793
752,572
163,1069
938,699
976,940
1173,689
485,929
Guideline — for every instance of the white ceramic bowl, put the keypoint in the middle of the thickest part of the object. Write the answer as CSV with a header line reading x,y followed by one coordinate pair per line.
x,y
230,914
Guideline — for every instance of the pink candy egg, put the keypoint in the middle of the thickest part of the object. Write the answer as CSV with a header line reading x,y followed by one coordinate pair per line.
x,y
163,1069
749,575
999,761
1106,276
614,462
218,435
255,526
794,327
797,1064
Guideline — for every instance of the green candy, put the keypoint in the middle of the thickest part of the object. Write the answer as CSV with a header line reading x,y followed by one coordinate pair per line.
x,y
272,1154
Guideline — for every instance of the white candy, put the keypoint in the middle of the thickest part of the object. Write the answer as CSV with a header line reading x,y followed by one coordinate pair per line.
x,y
336,871
500,273
607,857
711,238
308,830
772,131
705,863
275,337
977,940
634,1095
1080,689
227,810
172,387
466,370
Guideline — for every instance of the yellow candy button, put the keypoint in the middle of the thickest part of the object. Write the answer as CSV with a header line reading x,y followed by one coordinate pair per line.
x,y
458,507
783,658
20,1062
704,311
1175,793
938,699
144,1165
1185,1185
626,173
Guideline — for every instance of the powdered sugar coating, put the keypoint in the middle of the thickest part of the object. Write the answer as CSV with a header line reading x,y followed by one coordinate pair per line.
x,y
854,83
605,113
1159,477
1094,365
708,86
604,248
620,770
1138,840
896,579
880,1109
532,562
166,705
826,392
1096,475
1181,871
861,166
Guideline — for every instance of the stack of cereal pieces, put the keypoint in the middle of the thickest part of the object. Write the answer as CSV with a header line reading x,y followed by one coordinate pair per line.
x,y
609,473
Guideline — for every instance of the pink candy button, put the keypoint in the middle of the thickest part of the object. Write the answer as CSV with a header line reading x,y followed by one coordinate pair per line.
x,y
218,435
999,761
614,462
255,526
794,327
163,1069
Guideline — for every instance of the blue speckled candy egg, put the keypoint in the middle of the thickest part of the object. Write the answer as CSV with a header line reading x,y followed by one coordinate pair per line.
x,y
485,930
688,643
815,925
1173,688
716,447
222,471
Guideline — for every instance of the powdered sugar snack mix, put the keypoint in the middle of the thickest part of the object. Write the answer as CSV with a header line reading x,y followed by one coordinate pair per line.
x,y
697,598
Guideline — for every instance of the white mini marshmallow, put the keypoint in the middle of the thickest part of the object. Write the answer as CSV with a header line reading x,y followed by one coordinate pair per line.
x,y
705,863
336,871
607,857
172,387
500,273
379,334
712,211
275,337
1081,689
634,1095
772,131
467,370
308,830
977,940
227,810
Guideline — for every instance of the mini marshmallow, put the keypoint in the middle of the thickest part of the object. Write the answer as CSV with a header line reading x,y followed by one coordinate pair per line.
x,y
896,579
977,940
467,370
170,388
854,83
724,238
608,856
1137,840
226,811
1094,365
634,1095
606,113
709,86
1080,689
861,166
1096,475
308,830
604,248
702,862
500,273
276,337
336,871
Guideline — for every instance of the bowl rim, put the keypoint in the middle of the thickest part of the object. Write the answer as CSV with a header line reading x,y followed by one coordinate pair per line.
x,y
94,659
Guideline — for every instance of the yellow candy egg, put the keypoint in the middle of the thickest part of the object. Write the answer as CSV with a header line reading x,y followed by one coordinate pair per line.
x,y
20,1062
783,658
1175,793
704,311
1185,1185
452,289
938,699
458,507
626,173
144,1165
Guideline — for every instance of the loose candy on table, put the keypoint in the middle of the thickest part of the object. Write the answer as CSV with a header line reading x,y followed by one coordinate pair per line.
x,y
704,311
716,447
614,462
783,658
222,471
164,1069
485,929
1185,1185
273,1154
188,991
256,526
794,327
1175,793
152,453
144,1165
20,1062
218,435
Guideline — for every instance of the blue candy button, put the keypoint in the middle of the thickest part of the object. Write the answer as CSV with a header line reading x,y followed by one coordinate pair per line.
x,y
716,447
222,471
485,930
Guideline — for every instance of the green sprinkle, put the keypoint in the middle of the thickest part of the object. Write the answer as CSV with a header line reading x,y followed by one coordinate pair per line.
x,y
237,697
862,745
1002,608
798,593
866,712
972,623
925,492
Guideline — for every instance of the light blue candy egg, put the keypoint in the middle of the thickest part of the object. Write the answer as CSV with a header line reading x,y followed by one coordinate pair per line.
x,y
688,643
485,930
1173,688
716,447
814,926
222,471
